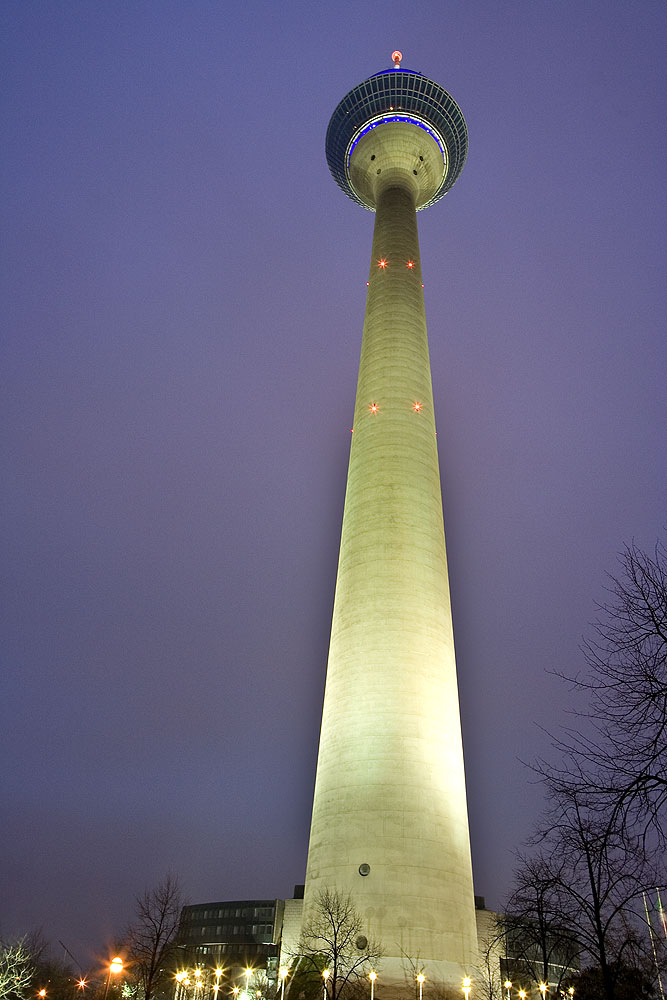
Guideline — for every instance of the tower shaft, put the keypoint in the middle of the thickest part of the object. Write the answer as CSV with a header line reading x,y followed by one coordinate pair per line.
x,y
390,787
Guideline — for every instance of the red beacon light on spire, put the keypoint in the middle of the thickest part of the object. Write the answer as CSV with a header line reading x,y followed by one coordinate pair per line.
x,y
397,59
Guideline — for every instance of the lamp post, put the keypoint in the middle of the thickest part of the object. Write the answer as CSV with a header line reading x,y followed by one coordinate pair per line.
x,y
522,995
508,986
283,976
543,990
372,975
115,967
421,979
466,986
325,976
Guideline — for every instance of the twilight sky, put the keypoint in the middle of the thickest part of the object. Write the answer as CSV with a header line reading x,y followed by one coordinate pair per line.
x,y
183,293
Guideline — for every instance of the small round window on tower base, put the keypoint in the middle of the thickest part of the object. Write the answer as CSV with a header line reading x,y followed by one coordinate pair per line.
x,y
364,869
361,942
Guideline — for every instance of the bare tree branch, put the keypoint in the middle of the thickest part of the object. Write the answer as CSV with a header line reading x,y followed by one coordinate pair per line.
x,y
150,940
620,764
16,969
333,938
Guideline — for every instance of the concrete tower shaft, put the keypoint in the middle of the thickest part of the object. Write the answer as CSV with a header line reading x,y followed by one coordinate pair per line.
x,y
389,823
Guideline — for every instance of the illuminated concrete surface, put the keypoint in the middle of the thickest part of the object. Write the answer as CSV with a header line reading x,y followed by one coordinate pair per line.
x,y
390,788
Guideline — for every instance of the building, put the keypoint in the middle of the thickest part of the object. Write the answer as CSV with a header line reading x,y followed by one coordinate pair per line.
x,y
389,820
233,936
218,943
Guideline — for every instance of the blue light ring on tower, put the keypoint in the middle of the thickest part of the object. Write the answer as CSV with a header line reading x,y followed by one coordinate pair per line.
x,y
397,91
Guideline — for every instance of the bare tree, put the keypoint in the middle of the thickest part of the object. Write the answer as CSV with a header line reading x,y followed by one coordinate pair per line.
x,y
604,841
334,945
150,939
539,945
16,969
490,942
593,871
622,766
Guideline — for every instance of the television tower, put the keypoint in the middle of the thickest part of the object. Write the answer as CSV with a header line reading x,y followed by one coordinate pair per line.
x,y
389,823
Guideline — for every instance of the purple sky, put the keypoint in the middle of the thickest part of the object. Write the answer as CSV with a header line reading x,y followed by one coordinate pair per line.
x,y
183,293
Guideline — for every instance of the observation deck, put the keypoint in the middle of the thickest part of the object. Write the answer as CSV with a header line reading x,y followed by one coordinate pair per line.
x,y
398,98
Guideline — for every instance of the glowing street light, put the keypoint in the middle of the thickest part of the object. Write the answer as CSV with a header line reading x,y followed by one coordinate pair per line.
x,y
372,975
325,976
421,979
115,967
522,994
466,986
41,993
508,986
543,989
283,976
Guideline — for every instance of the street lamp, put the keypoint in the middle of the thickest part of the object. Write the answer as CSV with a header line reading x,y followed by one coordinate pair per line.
x,y
248,975
41,993
283,976
543,989
325,976
466,986
421,979
115,967
508,986
372,975
522,994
